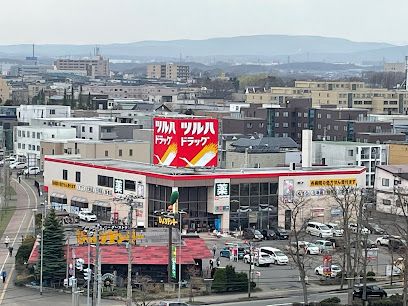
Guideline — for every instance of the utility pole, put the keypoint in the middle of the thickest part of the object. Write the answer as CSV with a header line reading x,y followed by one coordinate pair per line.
x,y
250,270
41,254
96,266
98,303
170,255
88,282
129,280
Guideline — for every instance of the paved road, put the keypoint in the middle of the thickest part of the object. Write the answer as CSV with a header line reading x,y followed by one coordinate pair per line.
x,y
20,224
299,298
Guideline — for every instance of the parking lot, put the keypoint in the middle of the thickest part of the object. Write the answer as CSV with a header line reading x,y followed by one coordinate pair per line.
x,y
287,276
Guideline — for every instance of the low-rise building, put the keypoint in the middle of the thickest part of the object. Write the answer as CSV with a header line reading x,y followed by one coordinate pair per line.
x,y
5,91
95,67
391,182
26,113
339,153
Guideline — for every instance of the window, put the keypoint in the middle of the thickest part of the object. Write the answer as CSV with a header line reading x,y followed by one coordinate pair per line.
x,y
38,135
32,134
299,115
29,147
285,114
130,152
130,185
305,125
276,124
328,116
90,129
299,125
19,145
77,176
285,124
83,129
350,152
249,125
285,135
106,153
120,152
319,126
319,115
105,181
385,182
52,136
52,111
65,174
386,202
276,114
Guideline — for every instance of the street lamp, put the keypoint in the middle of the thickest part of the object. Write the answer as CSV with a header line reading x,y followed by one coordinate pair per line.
x,y
41,254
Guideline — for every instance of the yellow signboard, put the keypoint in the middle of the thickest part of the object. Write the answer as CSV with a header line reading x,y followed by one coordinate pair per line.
x,y
107,237
333,182
63,184
167,221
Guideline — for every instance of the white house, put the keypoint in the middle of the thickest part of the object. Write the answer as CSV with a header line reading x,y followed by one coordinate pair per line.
x,y
391,183
25,113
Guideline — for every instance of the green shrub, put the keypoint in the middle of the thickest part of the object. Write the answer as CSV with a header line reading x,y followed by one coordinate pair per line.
x,y
370,276
227,280
24,251
21,280
330,301
393,300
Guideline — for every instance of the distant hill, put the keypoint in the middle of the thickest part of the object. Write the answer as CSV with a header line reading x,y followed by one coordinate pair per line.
x,y
243,48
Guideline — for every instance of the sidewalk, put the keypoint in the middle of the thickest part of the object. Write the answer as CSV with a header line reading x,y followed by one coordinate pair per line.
x,y
20,225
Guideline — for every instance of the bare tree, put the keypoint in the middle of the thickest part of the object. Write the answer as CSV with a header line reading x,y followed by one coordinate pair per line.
x,y
297,206
193,272
144,289
349,199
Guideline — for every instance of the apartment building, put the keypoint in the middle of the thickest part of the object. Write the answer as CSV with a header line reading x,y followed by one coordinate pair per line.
x,y
394,67
340,94
169,71
346,153
5,91
27,139
95,67
328,123
26,113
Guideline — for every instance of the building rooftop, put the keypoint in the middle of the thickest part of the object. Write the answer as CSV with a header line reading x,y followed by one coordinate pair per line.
x,y
265,144
173,173
398,170
346,143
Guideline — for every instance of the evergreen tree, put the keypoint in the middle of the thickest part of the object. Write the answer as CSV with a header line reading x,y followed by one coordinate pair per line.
x,y
65,101
54,264
72,97
80,104
89,102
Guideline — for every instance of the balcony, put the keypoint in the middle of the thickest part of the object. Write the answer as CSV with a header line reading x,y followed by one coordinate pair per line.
x,y
108,135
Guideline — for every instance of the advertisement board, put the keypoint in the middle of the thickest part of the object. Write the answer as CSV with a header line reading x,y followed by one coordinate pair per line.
x,y
185,142
221,195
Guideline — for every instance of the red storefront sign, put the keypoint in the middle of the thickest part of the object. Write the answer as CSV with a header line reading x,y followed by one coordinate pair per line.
x,y
185,142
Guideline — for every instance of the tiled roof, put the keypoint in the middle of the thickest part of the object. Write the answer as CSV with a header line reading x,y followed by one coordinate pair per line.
x,y
193,248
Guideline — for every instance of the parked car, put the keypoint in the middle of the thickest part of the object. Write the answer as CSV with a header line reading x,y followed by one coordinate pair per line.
x,y
383,240
311,248
335,229
318,229
278,257
396,243
18,165
353,227
371,291
324,245
226,252
87,216
258,259
250,233
280,233
338,242
268,234
335,269
32,171
10,160
375,229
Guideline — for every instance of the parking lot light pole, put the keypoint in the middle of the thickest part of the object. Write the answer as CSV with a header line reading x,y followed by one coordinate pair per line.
x,y
180,213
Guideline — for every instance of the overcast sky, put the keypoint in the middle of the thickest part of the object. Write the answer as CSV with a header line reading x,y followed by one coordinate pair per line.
x,y
106,21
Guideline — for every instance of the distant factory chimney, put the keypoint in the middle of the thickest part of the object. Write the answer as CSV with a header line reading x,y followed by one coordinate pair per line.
x,y
307,149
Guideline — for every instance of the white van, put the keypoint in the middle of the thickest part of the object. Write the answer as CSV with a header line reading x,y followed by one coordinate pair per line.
x,y
278,257
318,229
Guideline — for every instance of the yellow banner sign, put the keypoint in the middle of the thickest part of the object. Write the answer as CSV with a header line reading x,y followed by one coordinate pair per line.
x,y
333,182
167,221
107,237
64,184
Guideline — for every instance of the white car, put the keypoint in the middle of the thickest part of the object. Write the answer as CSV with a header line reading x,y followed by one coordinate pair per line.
x,y
364,230
87,216
18,165
385,240
259,259
335,229
32,171
278,257
335,269
10,160
311,248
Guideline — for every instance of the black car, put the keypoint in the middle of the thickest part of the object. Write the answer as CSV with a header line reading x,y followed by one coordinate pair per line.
x,y
250,233
371,291
268,234
280,233
397,244
375,229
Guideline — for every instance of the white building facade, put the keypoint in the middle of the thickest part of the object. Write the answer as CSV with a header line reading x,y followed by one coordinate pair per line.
x,y
25,113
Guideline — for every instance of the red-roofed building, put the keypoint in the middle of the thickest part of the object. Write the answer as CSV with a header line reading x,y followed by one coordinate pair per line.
x,y
149,260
